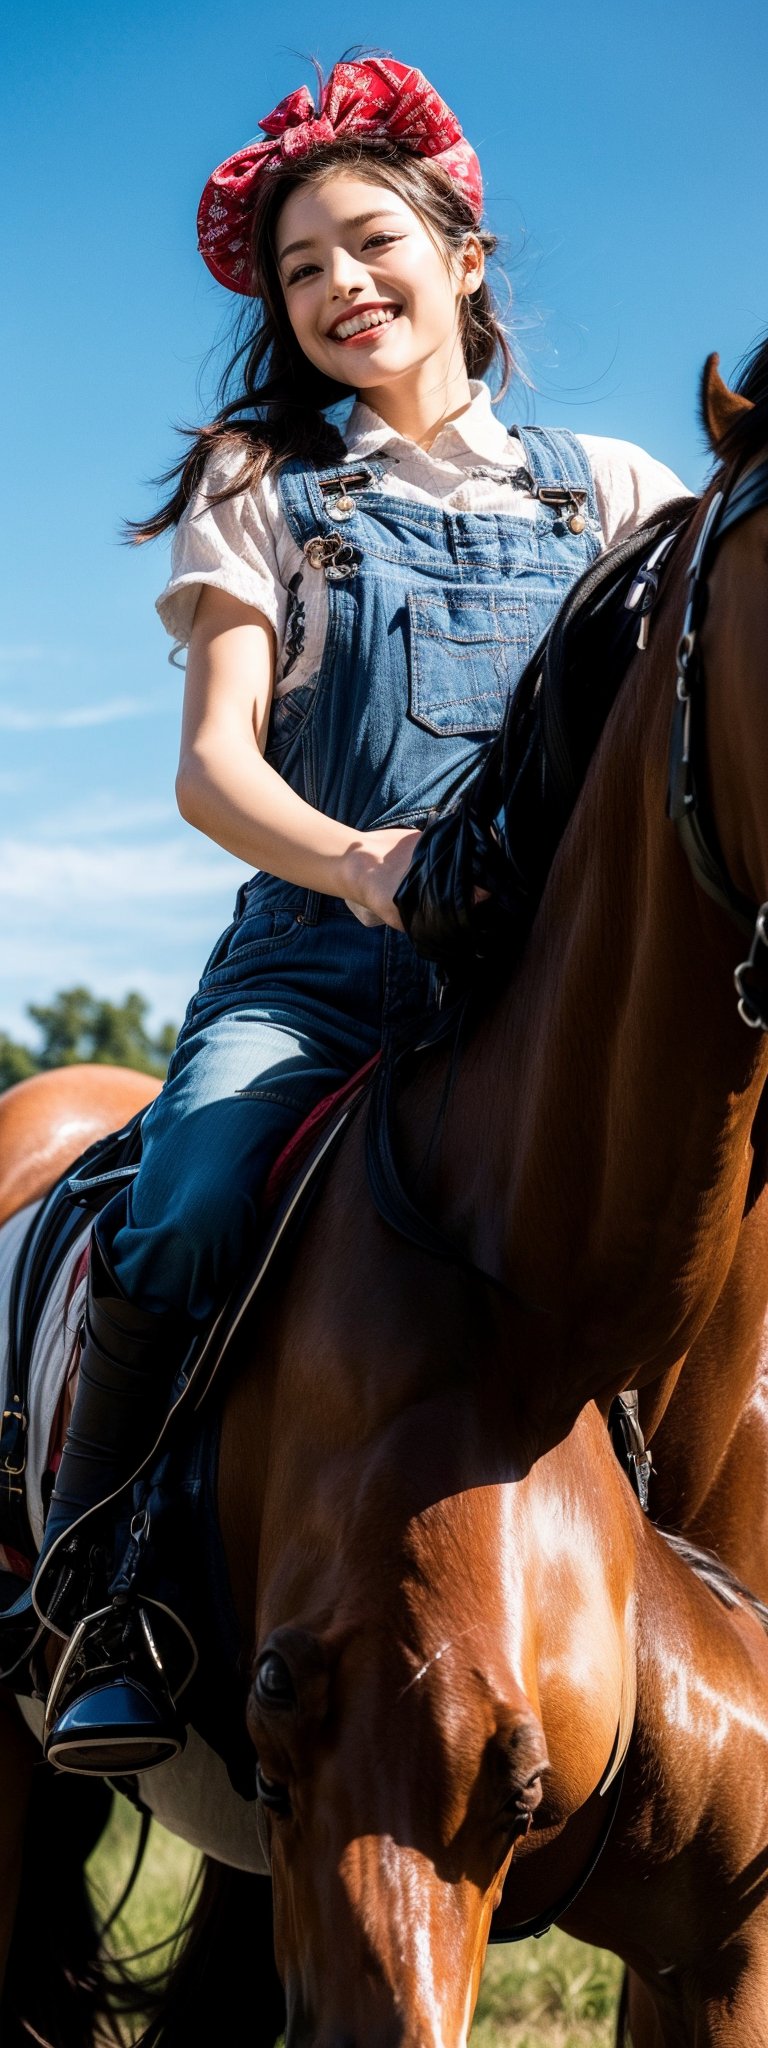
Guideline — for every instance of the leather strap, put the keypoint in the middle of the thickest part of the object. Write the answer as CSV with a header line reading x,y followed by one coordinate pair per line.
x,y
688,803
747,496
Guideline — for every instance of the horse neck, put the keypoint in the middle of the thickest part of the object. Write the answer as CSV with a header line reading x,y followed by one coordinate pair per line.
x,y
595,1154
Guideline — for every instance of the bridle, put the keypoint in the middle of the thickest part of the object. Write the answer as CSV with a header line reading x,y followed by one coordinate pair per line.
x,y
687,801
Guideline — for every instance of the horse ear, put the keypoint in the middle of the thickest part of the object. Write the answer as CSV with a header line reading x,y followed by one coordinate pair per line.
x,y
720,407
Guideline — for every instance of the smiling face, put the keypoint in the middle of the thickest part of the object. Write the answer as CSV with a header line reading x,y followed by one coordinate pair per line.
x,y
372,298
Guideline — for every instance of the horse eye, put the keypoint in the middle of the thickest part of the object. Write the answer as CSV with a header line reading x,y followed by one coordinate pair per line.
x,y
272,1794
274,1684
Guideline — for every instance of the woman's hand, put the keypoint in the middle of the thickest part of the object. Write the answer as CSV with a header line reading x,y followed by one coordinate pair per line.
x,y
374,869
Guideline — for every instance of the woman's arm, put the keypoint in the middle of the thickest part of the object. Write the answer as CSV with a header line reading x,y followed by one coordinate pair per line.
x,y
226,788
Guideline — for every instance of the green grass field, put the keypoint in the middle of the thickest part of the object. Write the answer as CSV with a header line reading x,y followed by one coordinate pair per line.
x,y
551,1993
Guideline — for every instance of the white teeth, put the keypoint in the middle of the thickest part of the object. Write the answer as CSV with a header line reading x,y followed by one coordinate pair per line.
x,y
360,321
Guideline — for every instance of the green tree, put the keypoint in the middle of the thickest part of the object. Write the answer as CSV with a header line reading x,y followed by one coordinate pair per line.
x,y
16,1062
77,1025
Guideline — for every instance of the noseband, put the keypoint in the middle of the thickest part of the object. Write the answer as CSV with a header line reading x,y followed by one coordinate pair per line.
x,y
688,803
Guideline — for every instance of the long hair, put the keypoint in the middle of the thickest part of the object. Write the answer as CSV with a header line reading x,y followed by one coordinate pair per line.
x,y
272,400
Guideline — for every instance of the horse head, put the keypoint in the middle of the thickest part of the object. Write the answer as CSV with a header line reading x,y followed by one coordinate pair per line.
x,y
416,1637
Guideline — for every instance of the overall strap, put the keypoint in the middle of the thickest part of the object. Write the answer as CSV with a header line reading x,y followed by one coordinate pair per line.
x,y
554,456
307,491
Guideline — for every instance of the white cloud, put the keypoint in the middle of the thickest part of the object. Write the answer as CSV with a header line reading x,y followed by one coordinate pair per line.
x,y
107,814
112,879
111,915
113,708
13,781
25,651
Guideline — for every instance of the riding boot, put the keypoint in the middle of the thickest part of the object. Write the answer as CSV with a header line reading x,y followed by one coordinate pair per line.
x,y
109,1708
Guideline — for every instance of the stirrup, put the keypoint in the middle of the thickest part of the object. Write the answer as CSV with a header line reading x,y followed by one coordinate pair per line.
x,y
109,1710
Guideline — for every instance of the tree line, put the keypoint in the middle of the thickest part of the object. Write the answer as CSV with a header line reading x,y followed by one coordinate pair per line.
x,y
77,1025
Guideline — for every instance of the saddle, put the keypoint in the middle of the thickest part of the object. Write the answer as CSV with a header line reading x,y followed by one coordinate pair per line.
x,y
148,1548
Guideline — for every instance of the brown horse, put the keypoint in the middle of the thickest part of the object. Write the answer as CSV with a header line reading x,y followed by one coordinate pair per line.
x,y
595,1158
446,1650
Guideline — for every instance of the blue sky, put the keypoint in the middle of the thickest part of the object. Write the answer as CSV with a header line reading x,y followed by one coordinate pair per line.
x,y
623,155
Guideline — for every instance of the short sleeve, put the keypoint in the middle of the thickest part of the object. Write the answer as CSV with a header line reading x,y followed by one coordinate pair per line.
x,y
231,545
630,485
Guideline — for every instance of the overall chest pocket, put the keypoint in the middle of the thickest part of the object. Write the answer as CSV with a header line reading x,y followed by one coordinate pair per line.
x,y
468,648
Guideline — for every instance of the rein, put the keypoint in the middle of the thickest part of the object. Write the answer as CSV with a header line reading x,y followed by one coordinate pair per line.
x,y
688,805
540,1923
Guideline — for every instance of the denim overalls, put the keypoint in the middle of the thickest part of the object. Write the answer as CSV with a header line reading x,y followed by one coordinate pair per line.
x,y
432,616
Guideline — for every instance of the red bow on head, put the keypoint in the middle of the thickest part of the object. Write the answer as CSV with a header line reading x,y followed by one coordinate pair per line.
x,y
375,97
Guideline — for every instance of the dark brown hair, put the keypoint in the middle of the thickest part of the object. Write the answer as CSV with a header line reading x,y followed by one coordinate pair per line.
x,y
280,398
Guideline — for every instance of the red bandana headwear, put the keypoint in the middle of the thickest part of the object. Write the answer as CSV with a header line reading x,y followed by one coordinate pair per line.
x,y
373,97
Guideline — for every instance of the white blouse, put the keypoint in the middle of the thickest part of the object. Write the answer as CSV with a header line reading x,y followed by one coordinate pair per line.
x,y
246,547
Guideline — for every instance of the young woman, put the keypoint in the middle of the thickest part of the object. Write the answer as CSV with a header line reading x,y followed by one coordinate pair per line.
x,y
358,607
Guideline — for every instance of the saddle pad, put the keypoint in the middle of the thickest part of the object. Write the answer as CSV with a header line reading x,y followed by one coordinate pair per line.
x,y
52,1351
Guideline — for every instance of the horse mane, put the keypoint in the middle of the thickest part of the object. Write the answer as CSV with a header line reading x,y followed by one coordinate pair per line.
x,y
742,440
718,1577
501,835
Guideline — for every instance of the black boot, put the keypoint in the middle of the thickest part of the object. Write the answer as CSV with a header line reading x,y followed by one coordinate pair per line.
x,y
109,1708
